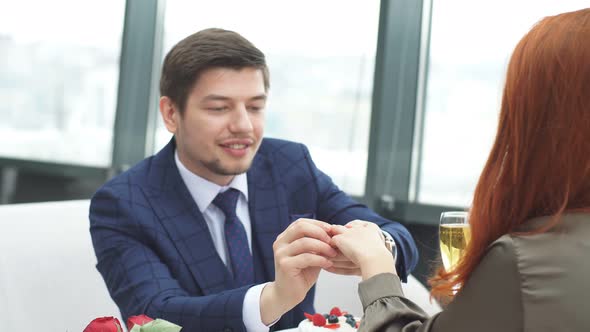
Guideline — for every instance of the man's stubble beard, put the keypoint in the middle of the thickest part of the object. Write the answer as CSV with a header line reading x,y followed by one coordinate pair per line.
x,y
216,167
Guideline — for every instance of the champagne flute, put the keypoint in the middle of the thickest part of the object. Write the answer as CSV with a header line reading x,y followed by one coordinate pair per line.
x,y
454,235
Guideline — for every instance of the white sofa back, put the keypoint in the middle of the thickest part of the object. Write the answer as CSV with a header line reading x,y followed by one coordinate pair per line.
x,y
48,279
342,291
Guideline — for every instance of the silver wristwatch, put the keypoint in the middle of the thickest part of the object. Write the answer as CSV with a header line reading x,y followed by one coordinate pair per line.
x,y
390,244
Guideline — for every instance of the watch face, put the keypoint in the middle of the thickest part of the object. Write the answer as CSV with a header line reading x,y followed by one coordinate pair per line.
x,y
390,244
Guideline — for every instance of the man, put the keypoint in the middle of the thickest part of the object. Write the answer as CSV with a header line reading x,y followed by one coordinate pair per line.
x,y
222,229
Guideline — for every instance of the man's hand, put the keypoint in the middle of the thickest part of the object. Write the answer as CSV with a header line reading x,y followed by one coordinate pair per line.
x,y
300,252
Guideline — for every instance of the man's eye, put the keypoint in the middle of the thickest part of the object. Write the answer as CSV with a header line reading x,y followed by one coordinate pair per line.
x,y
217,109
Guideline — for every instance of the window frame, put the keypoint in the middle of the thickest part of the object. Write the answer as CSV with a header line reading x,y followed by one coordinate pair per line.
x,y
395,145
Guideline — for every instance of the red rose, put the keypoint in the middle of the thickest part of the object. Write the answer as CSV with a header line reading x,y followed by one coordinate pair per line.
x,y
137,320
104,324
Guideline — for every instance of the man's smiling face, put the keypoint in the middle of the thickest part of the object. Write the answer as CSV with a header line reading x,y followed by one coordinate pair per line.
x,y
221,128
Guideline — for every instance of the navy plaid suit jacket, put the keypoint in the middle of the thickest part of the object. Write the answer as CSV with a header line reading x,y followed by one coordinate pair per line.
x,y
156,254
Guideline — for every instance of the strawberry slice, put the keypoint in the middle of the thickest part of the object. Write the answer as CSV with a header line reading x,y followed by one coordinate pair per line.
x,y
336,312
332,326
318,320
308,316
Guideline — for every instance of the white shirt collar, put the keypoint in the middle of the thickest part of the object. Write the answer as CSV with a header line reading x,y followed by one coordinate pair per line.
x,y
204,191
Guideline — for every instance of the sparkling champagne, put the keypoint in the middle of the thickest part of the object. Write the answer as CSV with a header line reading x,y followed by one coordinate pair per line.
x,y
453,242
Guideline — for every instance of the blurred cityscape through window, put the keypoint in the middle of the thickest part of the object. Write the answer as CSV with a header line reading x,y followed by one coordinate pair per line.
x,y
59,69
470,44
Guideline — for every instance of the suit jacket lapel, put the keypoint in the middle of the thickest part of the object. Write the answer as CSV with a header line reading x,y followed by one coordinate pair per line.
x,y
180,216
268,212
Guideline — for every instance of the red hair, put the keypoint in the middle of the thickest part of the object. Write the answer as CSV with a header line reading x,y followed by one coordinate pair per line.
x,y
540,161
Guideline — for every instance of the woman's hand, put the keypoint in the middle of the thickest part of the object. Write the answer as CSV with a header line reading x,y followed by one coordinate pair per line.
x,y
362,243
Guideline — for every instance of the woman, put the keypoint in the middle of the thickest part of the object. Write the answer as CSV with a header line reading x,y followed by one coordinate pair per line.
x,y
528,261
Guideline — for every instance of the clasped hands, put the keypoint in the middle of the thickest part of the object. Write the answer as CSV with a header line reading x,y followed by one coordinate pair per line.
x,y
307,246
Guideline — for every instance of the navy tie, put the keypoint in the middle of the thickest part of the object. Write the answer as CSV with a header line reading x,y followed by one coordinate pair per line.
x,y
236,238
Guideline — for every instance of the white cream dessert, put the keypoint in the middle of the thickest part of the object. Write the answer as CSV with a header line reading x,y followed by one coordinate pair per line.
x,y
336,321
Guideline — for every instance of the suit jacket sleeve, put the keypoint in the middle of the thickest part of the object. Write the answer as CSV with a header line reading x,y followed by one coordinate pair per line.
x,y
138,280
489,302
336,207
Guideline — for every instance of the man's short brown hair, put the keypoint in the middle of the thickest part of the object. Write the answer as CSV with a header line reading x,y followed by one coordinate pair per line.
x,y
206,49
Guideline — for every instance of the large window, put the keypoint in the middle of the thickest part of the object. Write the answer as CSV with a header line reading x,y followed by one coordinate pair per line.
x,y
59,67
471,42
321,57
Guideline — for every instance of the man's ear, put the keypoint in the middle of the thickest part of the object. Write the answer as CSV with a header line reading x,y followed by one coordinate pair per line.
x,y
169,113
